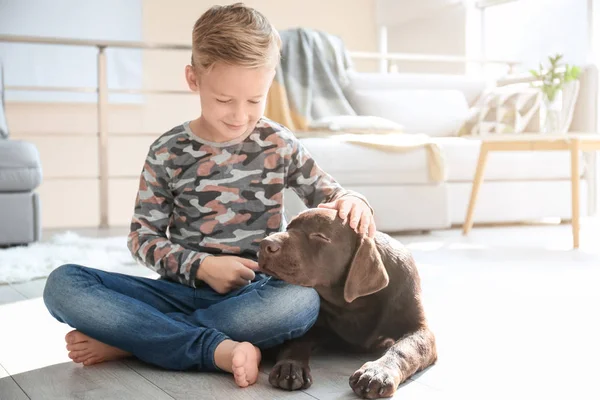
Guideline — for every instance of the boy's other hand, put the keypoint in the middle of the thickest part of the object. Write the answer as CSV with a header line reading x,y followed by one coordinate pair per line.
x,y
359,213
226,273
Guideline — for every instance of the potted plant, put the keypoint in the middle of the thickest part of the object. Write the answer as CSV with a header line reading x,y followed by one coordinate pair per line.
x,y
551,81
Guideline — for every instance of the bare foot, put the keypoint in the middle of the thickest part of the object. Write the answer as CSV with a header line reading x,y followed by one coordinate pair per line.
x,y
84,349
245,359
241,359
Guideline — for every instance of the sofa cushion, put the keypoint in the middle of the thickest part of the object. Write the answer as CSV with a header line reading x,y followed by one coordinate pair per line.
x,y
430,111
356,124
461,157
356,164
505,109
20,168
470,87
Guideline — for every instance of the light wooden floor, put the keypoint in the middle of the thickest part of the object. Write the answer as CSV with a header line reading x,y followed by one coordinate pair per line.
x,y
515,311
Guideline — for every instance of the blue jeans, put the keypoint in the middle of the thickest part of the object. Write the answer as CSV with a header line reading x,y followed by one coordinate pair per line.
x,y
172,325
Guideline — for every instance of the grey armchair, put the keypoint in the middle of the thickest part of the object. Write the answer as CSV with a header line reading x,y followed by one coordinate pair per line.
x,y
20,175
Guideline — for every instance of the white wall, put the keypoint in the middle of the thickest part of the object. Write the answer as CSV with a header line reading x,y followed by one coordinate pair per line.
x,y
431,27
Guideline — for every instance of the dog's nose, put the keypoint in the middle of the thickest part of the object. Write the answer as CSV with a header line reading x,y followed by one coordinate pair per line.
x,y
272,247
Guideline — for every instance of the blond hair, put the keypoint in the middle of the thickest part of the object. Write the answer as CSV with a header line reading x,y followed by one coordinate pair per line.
x,y
235,35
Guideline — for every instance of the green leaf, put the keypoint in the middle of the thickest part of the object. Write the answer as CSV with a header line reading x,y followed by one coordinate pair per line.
x,y
575,71
554,60
550,80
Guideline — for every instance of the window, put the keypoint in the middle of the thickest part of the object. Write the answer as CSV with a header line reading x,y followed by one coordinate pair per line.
x,y
70,66
530,30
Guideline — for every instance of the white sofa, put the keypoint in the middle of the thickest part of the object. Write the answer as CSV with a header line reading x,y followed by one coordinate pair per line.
x,y
518,186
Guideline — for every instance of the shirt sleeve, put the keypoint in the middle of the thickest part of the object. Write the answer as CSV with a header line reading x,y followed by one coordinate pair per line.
x,y
313,185
148,240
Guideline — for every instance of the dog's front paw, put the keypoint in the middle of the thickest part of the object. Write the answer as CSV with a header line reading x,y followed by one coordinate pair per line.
x,y
290,375
375,380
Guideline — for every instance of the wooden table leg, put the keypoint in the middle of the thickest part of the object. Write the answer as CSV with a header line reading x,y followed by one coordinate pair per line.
x,y
475,189
575,190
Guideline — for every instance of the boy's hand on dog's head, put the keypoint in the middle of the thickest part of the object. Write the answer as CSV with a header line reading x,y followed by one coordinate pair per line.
x,y
356,211
226,273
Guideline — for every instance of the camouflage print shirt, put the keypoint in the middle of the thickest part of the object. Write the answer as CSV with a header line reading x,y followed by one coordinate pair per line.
x,y
198,198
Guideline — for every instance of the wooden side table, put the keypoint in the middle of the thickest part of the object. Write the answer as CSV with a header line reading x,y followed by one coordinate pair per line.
x,y
572,142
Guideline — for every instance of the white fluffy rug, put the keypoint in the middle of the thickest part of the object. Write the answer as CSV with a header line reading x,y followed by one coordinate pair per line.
x,y
19,264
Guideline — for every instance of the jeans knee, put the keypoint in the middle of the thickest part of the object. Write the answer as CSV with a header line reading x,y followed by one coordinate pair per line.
x,y
57,284
308,300
299,309
289,315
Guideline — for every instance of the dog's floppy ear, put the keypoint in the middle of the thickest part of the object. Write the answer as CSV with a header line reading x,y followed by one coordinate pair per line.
x,y
367,274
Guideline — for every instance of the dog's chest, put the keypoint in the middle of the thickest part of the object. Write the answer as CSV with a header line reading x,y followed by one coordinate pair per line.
x,y
354,325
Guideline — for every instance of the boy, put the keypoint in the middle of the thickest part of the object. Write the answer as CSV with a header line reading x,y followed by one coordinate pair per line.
x,y
210,190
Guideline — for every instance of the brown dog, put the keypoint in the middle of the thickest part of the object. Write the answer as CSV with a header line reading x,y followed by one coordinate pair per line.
x,y
370,298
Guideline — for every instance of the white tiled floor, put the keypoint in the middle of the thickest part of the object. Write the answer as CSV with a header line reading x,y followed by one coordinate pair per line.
x,y
516,314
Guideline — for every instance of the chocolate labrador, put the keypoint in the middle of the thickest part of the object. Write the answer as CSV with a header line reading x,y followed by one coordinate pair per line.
x,y
370,299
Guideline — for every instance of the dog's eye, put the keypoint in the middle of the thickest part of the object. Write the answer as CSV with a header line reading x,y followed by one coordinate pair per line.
x,y
320,236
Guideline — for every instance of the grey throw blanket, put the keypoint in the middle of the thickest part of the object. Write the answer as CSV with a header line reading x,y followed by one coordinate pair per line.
x,y
310,79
